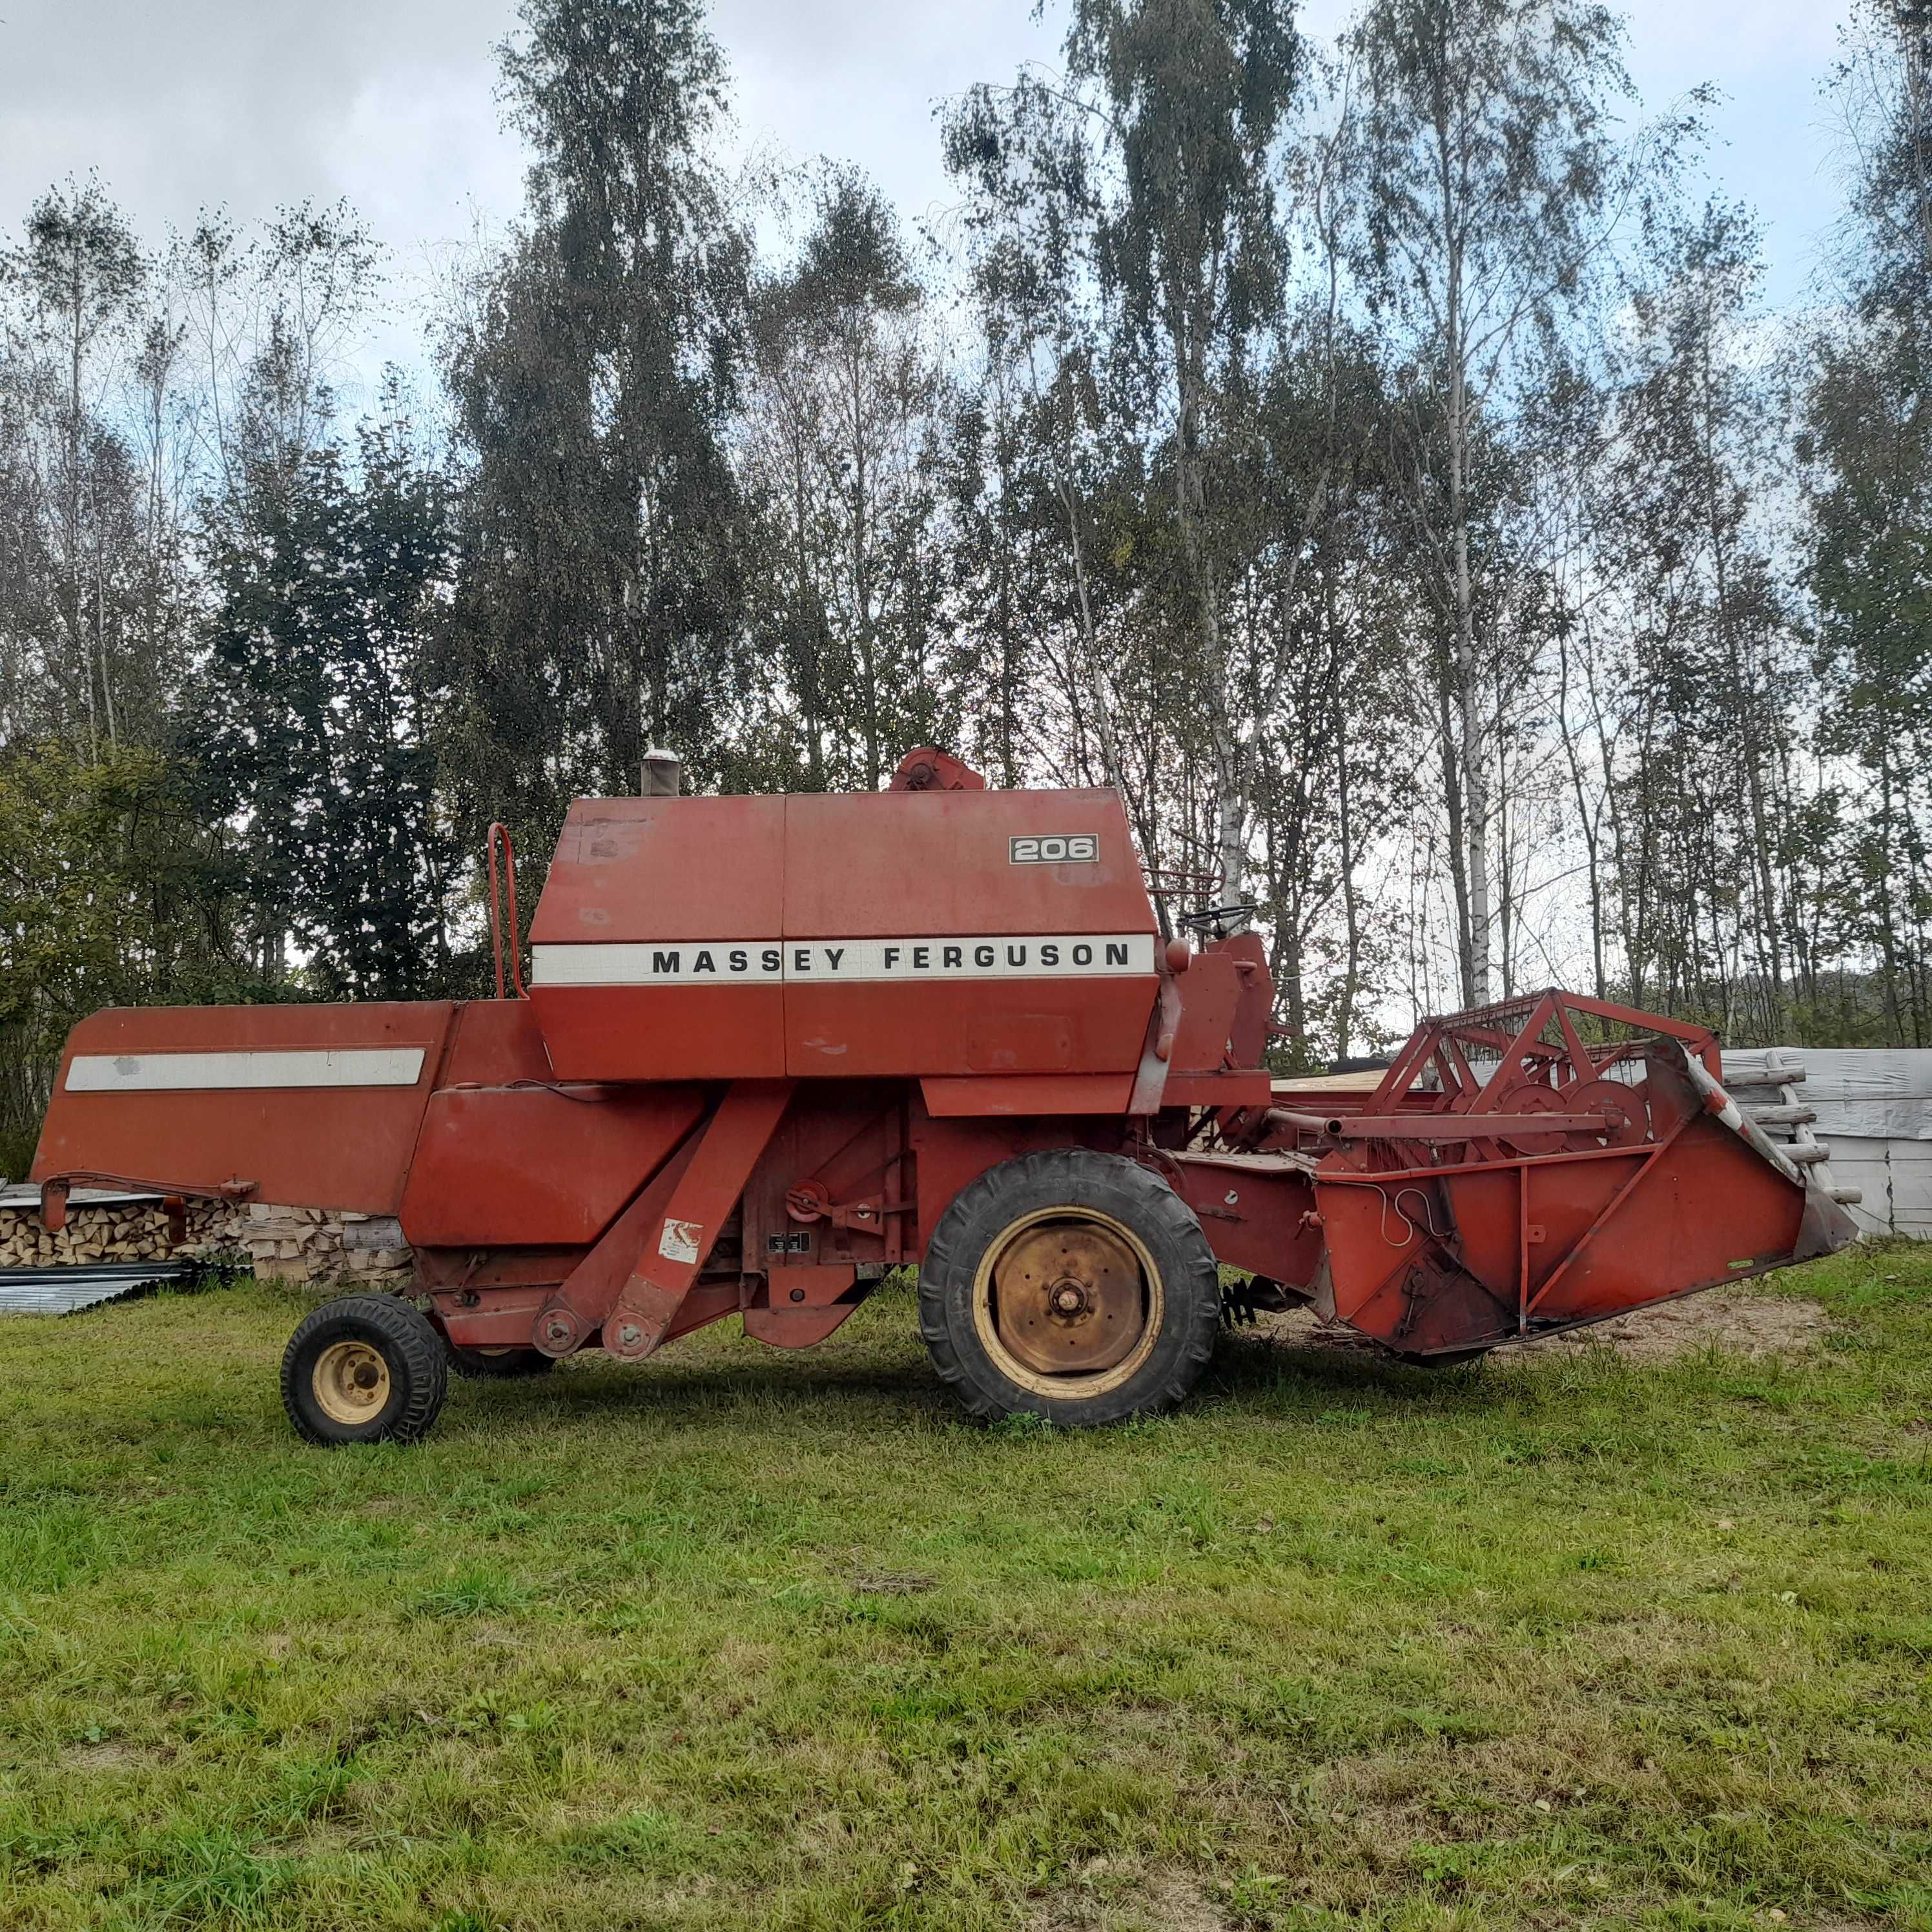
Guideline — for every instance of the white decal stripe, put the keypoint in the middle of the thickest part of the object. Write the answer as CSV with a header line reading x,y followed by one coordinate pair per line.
x,y
675,962
711,962
262,1066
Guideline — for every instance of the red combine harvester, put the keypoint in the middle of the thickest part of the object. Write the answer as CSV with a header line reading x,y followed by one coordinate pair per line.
x,y
772,1047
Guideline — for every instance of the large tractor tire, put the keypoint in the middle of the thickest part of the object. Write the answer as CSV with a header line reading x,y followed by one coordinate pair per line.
x,y
367,1368
1070,1284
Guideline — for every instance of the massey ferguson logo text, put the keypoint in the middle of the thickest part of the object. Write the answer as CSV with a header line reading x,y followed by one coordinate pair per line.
x,y
698,962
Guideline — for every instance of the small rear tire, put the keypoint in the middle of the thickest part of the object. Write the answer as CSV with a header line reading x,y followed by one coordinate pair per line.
x,y
1071,1284
499,1365
367,1368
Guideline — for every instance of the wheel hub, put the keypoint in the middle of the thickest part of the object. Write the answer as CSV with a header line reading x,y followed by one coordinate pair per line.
x,y
351,1382
1069,1298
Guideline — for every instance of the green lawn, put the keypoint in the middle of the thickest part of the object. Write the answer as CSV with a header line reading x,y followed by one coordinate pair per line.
x,y
742,1638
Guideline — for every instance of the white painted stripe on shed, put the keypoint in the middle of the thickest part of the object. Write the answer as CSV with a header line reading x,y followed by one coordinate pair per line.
x,y
245,1067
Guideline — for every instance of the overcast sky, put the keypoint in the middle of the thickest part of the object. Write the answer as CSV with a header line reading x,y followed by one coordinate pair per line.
x,y
180,104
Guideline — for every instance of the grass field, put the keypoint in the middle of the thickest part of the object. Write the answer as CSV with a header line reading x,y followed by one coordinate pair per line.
x,y
746,1638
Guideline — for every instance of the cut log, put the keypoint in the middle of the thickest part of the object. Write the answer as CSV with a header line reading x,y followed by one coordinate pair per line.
x,y
1783,1115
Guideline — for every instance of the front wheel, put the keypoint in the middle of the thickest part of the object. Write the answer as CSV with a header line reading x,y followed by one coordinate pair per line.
x,y
1070,1284
367,1368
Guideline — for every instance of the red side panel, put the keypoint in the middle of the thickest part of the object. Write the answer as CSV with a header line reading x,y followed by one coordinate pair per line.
x,y
950,1154
1233,1087
318,1106
891,933
872,864
1210,992
1256,1216
926,867
1028,1027
494,1043
662,1032
501,1164
520,1168
635,868
651,945
1026,1094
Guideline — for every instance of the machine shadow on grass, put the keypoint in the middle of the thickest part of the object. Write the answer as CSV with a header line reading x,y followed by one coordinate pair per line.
x,y
877,1372
1249,1366
1252,1373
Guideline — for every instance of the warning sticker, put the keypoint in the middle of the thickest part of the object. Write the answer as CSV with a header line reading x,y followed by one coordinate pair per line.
x,y
680,1241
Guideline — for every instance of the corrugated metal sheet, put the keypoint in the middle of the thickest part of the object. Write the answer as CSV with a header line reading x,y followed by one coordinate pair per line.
x,y
1874,1111
1895,1177
24,1194
61,1291
1874,1093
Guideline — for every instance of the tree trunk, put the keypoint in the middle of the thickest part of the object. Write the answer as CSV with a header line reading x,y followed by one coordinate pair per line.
x,y
1459,874
1469,700
1231,774
1352,919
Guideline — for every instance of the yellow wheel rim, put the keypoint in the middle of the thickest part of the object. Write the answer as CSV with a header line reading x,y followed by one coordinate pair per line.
x,y
1080,1288
351,1381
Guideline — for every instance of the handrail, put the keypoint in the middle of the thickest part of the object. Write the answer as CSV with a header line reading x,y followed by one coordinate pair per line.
x,y
500,833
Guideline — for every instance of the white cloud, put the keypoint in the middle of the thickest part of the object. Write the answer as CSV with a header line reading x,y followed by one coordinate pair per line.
x,y
256,102
251,102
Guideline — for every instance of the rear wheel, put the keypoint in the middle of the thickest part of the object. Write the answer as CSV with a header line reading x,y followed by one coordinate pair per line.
x,y
367,1368
1071,1284
488,1365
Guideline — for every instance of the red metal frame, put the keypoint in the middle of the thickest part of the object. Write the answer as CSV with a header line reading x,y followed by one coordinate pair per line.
x,y
1514,1030
680,1241
1472,1173
590,1159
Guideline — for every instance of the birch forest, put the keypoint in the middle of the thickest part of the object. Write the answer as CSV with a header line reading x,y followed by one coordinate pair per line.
x,y
1375,456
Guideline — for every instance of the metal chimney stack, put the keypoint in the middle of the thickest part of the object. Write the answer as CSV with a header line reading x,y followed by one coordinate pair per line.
x,y
663,774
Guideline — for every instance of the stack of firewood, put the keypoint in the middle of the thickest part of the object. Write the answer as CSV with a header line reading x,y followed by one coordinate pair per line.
x,y
302,1244
312,1244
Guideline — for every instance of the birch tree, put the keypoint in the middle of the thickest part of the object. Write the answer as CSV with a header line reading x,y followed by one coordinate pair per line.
x,y
1868,443
593,373
81,273
1193,100
1493,165
1025,157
